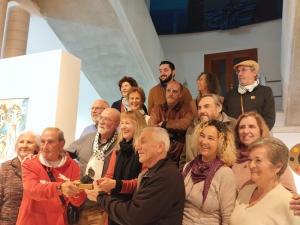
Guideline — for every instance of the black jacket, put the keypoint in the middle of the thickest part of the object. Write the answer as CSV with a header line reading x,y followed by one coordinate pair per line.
x,y
261,100
159,199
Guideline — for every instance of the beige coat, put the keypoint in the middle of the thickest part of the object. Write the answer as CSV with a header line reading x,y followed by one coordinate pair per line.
x,y
219,202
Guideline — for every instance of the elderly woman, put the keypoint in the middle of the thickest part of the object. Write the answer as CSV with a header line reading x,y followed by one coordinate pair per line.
x,y
207,83
11,188
136,99
266,201
124,167
249,128
125,84
209,182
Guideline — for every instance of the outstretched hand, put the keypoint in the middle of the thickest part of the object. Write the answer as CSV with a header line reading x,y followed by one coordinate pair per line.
x,y
69,189
106,184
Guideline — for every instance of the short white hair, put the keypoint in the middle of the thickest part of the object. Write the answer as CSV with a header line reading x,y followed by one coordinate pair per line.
x,y
160,135
36,135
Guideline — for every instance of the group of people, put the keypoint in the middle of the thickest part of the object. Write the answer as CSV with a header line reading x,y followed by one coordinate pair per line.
x,y
209,160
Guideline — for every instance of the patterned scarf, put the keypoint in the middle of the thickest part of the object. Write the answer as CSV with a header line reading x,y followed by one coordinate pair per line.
x,y
203,171
243,154
100,152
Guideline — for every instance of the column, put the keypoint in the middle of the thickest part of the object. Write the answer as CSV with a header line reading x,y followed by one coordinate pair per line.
x,y
16,35
3,9
290,61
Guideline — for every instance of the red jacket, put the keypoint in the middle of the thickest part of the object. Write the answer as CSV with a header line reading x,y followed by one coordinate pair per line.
x,y
41,203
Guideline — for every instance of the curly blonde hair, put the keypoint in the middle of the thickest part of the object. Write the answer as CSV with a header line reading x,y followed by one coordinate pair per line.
x,y
226,146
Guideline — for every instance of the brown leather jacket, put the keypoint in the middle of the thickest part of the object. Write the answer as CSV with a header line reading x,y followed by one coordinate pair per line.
x,y
175,120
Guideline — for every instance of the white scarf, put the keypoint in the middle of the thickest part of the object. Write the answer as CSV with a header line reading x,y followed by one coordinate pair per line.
x,y
55,164
247,88
125,103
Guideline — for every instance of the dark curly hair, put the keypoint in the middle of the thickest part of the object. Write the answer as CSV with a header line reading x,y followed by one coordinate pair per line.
x,y
171,65
130,80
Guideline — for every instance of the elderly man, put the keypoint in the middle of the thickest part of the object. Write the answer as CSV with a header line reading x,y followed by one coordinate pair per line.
x,y
157,94
175,116
93,153
47,181
250,95
209,108
160,196
97,108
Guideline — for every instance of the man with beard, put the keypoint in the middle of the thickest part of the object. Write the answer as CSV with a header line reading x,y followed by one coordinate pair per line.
x,y
209,108
157,94
93,153
175,117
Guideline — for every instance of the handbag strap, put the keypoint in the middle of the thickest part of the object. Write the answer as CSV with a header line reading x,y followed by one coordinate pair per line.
x,y
52,178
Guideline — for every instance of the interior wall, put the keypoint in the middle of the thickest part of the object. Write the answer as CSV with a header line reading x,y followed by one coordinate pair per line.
x,y
187,50
44,79
41,38
137,25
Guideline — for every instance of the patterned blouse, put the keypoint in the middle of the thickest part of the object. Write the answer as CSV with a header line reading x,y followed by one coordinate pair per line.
x,y
11,191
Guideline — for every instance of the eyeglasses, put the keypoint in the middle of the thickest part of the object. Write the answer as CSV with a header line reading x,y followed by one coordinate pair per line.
x,y
173,91
104,119
97,108
242,70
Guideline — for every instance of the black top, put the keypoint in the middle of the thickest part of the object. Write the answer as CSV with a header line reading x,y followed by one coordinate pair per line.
x,y
261,100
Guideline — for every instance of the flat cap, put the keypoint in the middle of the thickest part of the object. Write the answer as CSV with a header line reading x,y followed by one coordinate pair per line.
x,y
250,63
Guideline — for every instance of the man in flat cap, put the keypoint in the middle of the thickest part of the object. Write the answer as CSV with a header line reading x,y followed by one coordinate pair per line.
x,y
249,95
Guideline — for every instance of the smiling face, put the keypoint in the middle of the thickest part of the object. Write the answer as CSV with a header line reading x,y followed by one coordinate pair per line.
x,y
208,143
125,87
51,145
261,169
97,108
248,130
135,101
165,72
26,145
127,127
208,109
149,149
246,75
108,122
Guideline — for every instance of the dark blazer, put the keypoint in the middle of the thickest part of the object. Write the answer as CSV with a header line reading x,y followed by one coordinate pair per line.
x,y
159,199
261,100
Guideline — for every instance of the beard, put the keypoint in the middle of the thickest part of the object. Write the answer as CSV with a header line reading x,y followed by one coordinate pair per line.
x,y
166,81
204,118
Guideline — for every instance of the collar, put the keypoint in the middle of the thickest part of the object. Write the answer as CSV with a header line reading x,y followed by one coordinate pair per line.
x,y
247,88
224,118
151,171
56,164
